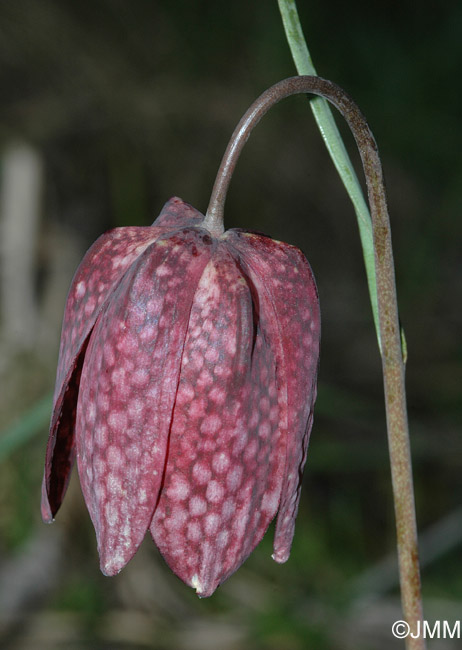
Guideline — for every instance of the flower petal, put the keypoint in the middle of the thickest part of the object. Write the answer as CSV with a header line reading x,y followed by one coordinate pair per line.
x,y
99,272
127,391
289,303
226,456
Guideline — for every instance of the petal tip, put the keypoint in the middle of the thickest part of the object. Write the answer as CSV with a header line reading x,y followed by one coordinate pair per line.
x,y
45,508
281,556
112,562
47,519
203,591
47,516
112,566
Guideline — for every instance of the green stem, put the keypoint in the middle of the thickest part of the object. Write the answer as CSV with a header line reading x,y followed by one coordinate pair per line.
x,y
334,143
399,444
392,357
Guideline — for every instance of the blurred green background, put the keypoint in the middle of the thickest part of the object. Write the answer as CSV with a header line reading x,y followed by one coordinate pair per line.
x,y
107,109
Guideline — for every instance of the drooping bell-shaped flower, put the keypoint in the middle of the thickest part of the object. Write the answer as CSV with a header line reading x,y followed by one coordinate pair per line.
x,y
185,387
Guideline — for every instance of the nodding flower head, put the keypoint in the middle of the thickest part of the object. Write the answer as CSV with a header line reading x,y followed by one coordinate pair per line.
x,y
185,387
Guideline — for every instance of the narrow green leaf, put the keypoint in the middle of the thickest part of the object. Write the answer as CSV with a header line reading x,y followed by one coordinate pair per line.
x,y
334,143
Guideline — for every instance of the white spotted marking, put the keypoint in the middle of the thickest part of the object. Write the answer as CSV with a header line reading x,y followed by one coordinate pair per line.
x,y
212,355
163,270
114,484
214,492
109,355
197,506
231,346
264,430
201,473
90,306
114,456
195,583
178,490
217,395
205,379
176,519
210,425
193,531
80,289
91,413
211,524
185,394
234,477
270,501
222,538
101,435
140,377
118,376
117,420
111,514
220,462
228,508
197,409
135,407
250,450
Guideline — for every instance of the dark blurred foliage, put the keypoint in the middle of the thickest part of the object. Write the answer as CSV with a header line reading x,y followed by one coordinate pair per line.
x,y
129,103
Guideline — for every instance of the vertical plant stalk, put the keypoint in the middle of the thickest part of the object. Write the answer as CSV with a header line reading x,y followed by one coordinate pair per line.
x,y
392,358
334,143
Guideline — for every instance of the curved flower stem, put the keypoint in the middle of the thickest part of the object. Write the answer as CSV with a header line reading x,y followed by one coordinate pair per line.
x,y
392,357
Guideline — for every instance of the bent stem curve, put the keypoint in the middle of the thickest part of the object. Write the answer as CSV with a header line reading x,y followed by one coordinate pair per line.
x,y
392,357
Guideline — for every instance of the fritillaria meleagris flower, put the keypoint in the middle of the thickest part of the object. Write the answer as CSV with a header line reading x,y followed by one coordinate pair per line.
x,y
185,387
